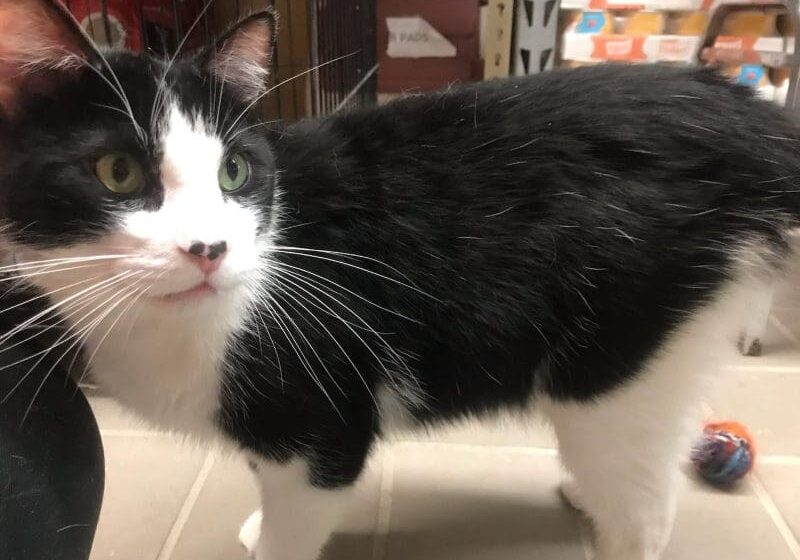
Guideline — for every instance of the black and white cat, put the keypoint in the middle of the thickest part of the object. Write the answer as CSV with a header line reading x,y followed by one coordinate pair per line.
x,y
577,243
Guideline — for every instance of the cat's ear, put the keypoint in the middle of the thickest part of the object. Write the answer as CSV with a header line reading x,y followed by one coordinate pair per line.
x,y
242,57
40,43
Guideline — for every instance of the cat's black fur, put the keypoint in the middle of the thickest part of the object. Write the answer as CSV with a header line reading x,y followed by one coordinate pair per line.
x,y
457,252
548,232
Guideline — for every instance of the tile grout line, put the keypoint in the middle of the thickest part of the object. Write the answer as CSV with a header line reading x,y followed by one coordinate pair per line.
x,y
186,509
383,520
776,516
771,509
784,330
586,537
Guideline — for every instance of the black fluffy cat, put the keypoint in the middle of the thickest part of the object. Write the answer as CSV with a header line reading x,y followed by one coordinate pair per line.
x,y
575,242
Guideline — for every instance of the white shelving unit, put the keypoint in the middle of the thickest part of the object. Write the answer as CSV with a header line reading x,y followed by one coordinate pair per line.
x,y
536,38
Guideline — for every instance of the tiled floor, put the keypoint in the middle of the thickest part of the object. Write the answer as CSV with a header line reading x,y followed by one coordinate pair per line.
x,y
470,493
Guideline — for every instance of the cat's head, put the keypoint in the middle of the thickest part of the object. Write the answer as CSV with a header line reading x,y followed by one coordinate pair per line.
x,y
128,174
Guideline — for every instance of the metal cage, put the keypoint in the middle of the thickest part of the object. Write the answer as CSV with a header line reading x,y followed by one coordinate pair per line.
x,y
343,30
325,49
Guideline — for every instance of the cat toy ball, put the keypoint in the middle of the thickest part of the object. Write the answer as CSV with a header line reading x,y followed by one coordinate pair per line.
x,y
725,453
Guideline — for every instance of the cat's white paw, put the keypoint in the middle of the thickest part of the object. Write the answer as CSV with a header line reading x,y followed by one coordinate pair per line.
x,y
750,346
250,533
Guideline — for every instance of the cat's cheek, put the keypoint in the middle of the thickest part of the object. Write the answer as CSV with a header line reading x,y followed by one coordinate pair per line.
x,y
247,247
62,271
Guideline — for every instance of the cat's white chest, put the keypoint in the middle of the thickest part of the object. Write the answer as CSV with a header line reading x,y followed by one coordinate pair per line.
x,y
168,373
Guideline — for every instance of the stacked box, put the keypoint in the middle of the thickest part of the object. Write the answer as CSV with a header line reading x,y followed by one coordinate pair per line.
x,y
457,21
633,34
752,44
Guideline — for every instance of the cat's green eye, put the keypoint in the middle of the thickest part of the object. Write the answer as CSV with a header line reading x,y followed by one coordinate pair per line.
x,y
120,173
233,173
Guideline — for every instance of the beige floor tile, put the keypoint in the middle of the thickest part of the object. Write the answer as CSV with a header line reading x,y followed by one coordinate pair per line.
x,y
450,502
503,431
229,496
781,341
786,308
779,354
786,321
147,480
783,484
354,539
724,526
787,297
766,402
778,348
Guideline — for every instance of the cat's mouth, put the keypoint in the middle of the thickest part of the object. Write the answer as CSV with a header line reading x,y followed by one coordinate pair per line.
x,y
201,290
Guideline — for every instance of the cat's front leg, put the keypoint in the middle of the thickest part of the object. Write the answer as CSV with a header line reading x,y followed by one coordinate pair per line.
x,y
251,532
297,517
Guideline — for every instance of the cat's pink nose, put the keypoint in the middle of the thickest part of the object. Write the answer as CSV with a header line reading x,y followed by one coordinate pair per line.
x,y
207,256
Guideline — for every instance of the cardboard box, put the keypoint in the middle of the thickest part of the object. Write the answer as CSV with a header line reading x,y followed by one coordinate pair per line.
x,y
629,48
457,20
762,44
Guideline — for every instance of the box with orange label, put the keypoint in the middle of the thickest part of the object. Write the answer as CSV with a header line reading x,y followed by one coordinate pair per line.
x,y
677,5
750,30
633,36
629,48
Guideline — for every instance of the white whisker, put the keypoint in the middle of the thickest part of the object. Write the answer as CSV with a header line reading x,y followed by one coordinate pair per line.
x,y
351,265
117,88
335,341
351,292
44,327
113,280
61,260
63,339
400,361
114,323
296,347
276,86
308,342
77,339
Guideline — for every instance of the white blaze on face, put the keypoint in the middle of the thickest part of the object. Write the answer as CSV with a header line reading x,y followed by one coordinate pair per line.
x,y
194,209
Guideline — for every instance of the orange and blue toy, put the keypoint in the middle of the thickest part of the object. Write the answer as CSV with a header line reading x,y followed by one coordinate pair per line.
x,y
725,453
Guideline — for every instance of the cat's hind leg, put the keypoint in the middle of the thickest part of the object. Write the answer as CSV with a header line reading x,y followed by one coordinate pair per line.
x,y
623,449
759,305
623,466
622,454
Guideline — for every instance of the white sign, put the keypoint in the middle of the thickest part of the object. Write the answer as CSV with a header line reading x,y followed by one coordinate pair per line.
x,y
413,37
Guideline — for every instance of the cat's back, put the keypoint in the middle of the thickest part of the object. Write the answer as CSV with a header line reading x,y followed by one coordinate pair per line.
x,y
643,146
646,129
643,108
597,95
